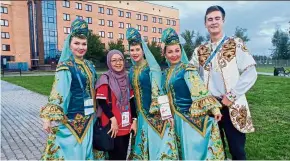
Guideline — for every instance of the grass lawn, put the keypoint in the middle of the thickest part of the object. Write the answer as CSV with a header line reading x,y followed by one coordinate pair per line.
x,y
268,69
269,102
265,69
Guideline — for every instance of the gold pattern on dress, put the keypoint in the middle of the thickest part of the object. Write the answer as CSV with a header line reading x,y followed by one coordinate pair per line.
x,y
198,88
78,124
217,148
156,123
51,150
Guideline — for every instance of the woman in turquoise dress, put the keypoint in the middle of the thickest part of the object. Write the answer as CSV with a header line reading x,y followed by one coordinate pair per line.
x,y
197,134
69,114
155,138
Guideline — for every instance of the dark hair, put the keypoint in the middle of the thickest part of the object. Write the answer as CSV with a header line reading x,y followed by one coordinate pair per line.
x,y
135,44
215,8
164,50
80,36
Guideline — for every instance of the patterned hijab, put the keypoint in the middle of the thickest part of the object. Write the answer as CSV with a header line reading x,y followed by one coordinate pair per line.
x,y
118,81
78,27
170,37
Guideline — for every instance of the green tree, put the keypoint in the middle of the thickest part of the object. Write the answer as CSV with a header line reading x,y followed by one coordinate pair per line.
x,y
241,33
188,45
281,43
192,40
96,48
117,45
156,51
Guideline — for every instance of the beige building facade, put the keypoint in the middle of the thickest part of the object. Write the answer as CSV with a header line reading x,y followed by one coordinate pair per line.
x,y
37,30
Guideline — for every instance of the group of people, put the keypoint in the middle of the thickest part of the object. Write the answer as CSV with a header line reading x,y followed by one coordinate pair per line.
x,y
205,98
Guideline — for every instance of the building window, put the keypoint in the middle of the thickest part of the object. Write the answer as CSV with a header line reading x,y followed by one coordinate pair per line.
x,y
145,18
110,35
50,6
139,27
121,13
145,28
109,11
101,10
5,47
154,29
160,30
121,36
66,17
160,20
110,23
4,9
66,4
52,33
146,38
168,22
138,16
78,6
66,30
4,22
154,19
121,25
89,20
102,33
128,25
159,40
174,22
154,39
128,14
101,22
50,19
89,8
79,17
5,35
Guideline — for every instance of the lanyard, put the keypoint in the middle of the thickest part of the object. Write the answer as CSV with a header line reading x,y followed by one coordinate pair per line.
x,y
212,55
79,78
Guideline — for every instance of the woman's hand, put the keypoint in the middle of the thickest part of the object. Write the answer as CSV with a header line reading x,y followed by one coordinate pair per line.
x,y
171,122
47,125
114,127
134,127
218,117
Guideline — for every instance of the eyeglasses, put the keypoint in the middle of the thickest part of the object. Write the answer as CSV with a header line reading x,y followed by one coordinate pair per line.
x,y
114,61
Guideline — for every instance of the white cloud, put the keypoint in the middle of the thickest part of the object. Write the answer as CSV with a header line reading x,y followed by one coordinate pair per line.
x,y
276,20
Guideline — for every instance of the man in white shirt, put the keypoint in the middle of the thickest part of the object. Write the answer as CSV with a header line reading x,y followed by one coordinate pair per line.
x,y
228,71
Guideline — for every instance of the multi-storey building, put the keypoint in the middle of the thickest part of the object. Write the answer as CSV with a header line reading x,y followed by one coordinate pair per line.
x,y
34,31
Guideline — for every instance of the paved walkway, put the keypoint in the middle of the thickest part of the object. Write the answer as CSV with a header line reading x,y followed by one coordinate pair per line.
x,y
22,137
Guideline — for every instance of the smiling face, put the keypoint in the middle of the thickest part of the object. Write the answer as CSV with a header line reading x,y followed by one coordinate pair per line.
x,y
78,47
117,63
214,22
136,53
173,54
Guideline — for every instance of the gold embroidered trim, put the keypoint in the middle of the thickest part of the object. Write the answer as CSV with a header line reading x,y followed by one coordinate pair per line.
x,y
137,90
52,112
201,106
80,140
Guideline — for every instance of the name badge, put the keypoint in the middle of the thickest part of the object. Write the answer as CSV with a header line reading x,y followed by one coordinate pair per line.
x,y
165,111
164,107
125,119
89,106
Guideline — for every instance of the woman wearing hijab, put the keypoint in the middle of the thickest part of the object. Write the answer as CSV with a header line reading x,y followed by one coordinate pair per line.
x,y
123,106
69,114
155,139
198,136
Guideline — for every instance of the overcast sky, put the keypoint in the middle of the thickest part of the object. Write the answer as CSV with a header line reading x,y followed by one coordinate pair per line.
x,y
260,18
